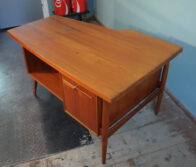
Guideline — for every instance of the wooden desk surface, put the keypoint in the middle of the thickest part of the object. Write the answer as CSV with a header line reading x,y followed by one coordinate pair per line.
x,y
107,62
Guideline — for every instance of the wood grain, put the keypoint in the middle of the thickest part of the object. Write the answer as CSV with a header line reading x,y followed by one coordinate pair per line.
x,y
104,61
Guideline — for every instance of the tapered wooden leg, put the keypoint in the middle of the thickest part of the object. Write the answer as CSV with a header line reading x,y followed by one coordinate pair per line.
x,y
34,87
162,86
104,149
104,130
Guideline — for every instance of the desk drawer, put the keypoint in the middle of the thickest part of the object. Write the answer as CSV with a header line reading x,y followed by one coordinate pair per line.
x,y
81,104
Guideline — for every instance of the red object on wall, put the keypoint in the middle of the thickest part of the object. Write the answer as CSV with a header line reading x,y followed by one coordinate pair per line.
x,y
79,6
62,7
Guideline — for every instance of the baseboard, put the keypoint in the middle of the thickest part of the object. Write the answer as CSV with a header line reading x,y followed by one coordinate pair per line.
x,y
181,106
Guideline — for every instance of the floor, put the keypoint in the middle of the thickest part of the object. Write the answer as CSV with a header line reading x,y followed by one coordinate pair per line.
x,y
146,140
30,127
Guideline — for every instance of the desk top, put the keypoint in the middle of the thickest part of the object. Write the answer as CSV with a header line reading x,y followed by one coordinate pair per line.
x,y
105,61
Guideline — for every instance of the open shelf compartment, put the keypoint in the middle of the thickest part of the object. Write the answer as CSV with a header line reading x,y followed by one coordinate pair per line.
x,y
44,74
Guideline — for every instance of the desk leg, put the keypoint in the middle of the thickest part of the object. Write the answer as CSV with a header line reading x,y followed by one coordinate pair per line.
x,y
34,87
162,86
104,130
80,17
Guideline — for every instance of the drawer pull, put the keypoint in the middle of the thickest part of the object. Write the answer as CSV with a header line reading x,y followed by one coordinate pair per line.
x,y
74,87
90,97
70,85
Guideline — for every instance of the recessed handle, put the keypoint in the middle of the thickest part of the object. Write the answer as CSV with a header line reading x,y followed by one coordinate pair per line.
x,y
70,85
87,95
74,87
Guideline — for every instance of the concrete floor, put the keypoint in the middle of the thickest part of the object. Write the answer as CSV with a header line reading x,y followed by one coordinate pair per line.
x,y
146,140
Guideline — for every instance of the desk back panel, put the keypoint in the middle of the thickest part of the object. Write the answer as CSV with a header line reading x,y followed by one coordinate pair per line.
x,y
134,96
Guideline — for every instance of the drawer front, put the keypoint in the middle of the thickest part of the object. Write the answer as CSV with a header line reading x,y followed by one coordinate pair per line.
x,y
81,104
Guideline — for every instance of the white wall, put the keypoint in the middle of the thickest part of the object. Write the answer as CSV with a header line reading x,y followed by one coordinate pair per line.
x,y
171,20
166,17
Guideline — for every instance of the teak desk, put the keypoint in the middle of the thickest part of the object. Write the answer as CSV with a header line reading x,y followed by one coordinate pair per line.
x,y
103,76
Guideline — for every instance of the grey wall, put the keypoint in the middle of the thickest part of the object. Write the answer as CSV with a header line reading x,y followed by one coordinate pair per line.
x,y
174,21
19,12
